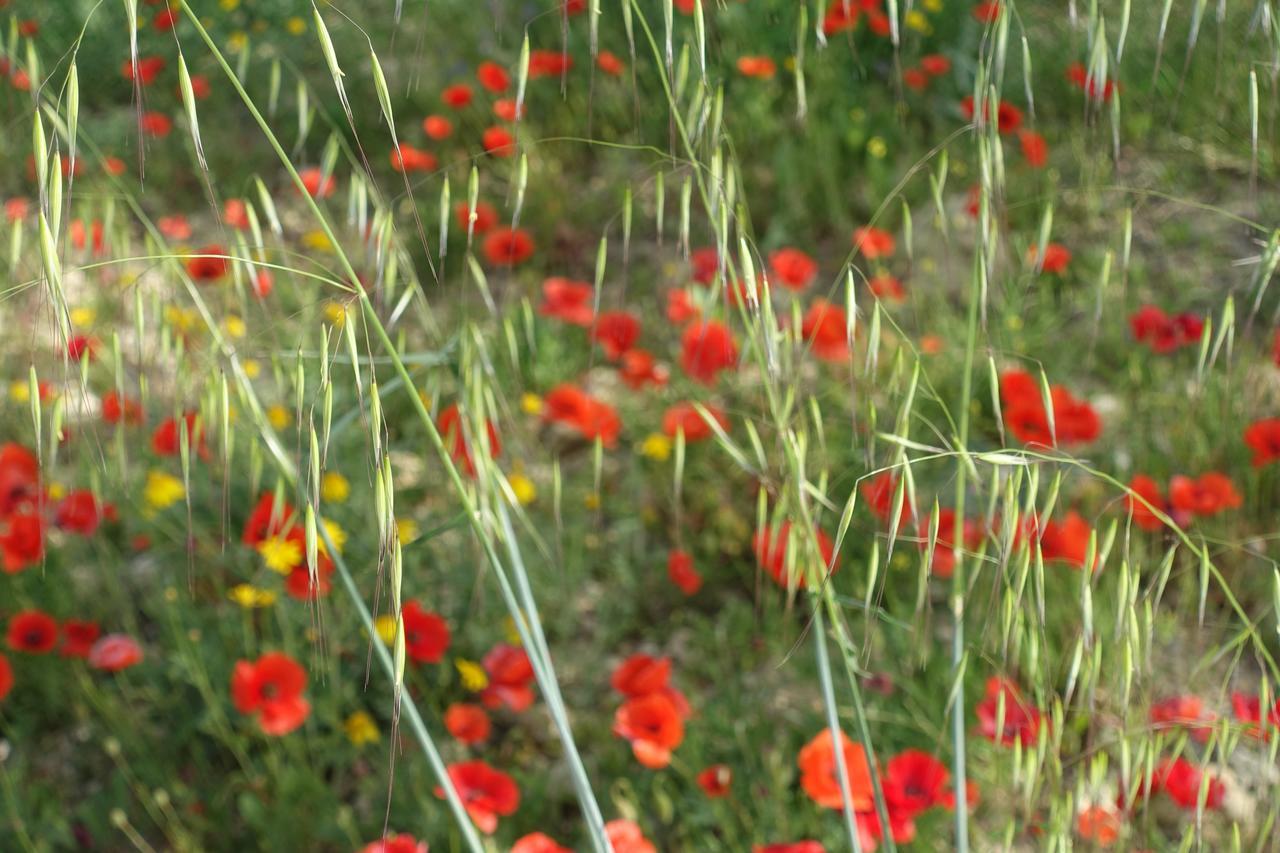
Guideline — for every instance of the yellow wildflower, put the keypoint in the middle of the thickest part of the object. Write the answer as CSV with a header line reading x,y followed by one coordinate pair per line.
x,y
234,325
280,554
82,316
525,491
162,490
335,313
656,446
407,530
385,625
279,417
334,488
249,596
317,240
472,674
252,368
531,404
296,26
20,390
361,728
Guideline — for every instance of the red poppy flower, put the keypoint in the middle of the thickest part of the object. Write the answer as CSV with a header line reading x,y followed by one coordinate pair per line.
x,y
209,263
1182,781
317,183
23,543
113,166
1034,149
706,349
456,96
684,417
116,409
987,12
771,553
610,63
759,67
156,124
175,227
1147,489
486,217
165,20
715,781
1263,438
451,429
640,675
915,781
300,584
1186,712
1162,333
879,493
499,142
944,554
1008,117
267,520
1021,722
508,246
572,407
1098,824
19,477
493,76
841,16
1082,79
402,843
78,638
115,652
548,63
567,300
270,688
437,127
705,263
1207,495
818,777
32,631
915,78
680,307
510,673
538,842
654,727
873,242
235,212
639,369
507,109
616,332
426,634
1074,420
6,677
935,64
406,158
1055,260
792,268
624,835
1248,710
468,723
486,792
826,327
81,512
1067,540
148,68
166,439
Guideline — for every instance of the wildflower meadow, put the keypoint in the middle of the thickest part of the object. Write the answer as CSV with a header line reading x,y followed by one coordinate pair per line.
x,y
570,426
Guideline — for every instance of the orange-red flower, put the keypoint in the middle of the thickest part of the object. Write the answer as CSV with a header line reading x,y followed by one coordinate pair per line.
x,y
486,792
270,688
571,406
654,727
624,835
1021,722
716,780
508,246
771,553
944,553
1098,824
707,348
760,67
209,263
19,477
23,543
450,425
437,127
1263,438
1034,149
638,369
402,843
873,242
1055,260
468,723
616,332
1207,495
317,183
879,493
115,652
32,631
493,77
510,673
1008,117
538,842
6,677
486,216
567,300
457,95
406,158
826,327
1149,491
792,268
426,634
1186,711
498,141
818,772
683,417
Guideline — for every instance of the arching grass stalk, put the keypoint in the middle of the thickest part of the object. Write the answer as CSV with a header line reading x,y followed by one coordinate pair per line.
x,y
539,662
833,725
